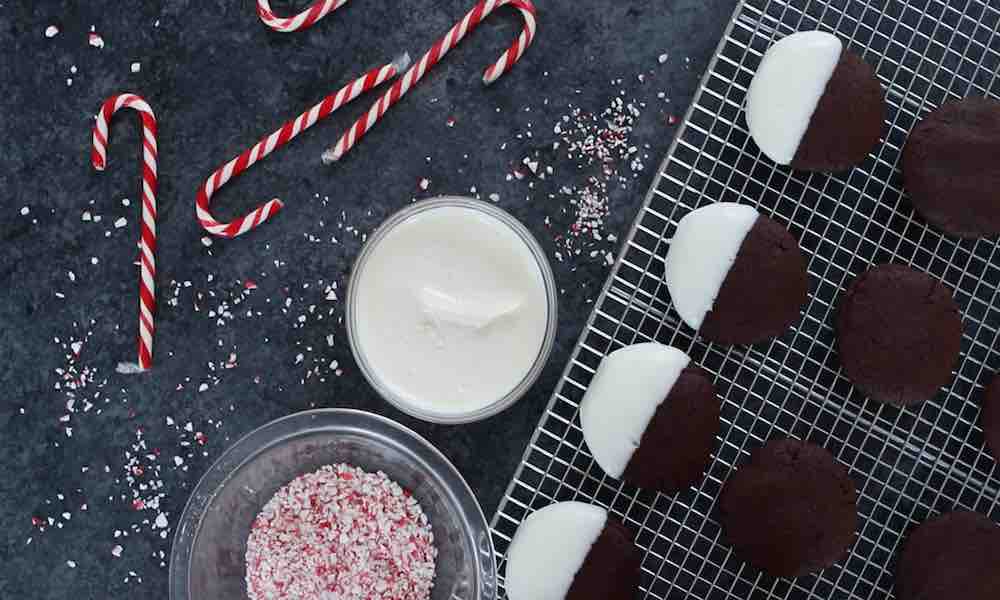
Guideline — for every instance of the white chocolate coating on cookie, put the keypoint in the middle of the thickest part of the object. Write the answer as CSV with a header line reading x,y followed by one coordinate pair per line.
x,y
622,399
702,251
549,548
786,89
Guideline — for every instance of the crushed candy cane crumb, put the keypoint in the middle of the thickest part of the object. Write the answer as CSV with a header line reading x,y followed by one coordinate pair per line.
x,y
343,533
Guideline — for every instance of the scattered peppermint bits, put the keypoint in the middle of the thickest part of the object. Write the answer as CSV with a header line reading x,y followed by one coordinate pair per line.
x,y
51,31
599,151
343,533
136,67
95,40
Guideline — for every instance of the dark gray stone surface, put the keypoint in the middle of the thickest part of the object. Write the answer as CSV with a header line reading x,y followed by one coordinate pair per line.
x,y
218,81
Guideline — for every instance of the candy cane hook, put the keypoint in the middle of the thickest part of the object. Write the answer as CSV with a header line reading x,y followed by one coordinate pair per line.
x,y
431,58
303,20
147,240
276,140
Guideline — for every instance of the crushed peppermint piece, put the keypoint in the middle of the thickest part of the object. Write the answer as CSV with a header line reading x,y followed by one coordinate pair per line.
x,y
25,210
120,222
117,551
136,67
343,533
95,40
127,368
51,31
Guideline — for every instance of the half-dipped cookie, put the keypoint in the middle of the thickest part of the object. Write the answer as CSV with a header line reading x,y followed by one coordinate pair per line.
x,y
951,167
572,551
814,105
791,510
950,557
650,417
736,276
899,334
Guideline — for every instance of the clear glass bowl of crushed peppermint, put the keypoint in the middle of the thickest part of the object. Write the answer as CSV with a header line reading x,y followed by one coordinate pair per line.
x,y
210,546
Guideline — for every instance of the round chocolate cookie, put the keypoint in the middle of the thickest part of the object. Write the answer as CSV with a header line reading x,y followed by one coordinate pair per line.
x,y
899,334
951,557
735,275
950,167
650,417
572,551
791,510
990,417
814,105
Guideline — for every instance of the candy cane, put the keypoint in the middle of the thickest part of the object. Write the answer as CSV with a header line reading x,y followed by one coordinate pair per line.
x,y
276,140
431,58
147,243
303,20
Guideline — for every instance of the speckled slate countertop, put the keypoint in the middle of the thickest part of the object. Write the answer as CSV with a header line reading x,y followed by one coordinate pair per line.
x,y
249,329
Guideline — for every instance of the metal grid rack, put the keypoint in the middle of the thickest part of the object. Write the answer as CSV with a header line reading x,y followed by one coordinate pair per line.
x,y
909,464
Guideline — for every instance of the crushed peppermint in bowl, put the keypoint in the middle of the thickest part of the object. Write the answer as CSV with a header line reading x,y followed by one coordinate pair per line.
x,y
332,504
344,533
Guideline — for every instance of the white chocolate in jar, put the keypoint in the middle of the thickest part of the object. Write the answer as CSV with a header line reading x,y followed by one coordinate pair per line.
x,y
451,310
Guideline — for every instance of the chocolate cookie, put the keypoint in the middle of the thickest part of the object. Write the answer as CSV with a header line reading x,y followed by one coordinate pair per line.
x,y
951,557
790,510
990,417
899,334
572,551
650,417
719,257
814,105
950,167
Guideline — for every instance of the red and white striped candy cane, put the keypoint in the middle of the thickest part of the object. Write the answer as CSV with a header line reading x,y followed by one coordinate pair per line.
x,y
274,141
147,240
431,58
303,20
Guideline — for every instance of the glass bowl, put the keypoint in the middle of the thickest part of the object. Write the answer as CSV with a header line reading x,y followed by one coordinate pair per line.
x,y
207,560
551,298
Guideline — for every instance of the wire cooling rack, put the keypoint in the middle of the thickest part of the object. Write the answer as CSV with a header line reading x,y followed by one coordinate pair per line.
x,y
908,464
